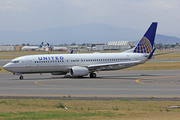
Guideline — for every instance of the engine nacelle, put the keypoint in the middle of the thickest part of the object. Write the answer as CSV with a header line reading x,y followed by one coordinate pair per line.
x,y
59,73
78,71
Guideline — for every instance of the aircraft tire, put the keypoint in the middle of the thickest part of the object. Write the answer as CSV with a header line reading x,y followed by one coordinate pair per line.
x,y
21,77
92,75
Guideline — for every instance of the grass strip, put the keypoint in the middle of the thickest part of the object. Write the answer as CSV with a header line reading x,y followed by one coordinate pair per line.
x,y
47,115
156,66
87,109
2,70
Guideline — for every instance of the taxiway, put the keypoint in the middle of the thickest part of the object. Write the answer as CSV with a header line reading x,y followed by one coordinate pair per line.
x,y
122,83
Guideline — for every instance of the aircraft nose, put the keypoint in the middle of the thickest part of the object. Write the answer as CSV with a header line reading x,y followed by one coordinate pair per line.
x,y
6,66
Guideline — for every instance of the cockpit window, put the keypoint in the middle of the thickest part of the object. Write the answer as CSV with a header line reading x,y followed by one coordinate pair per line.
x,y
14,61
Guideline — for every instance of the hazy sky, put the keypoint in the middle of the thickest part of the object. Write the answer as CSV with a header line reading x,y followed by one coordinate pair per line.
x,y
30,15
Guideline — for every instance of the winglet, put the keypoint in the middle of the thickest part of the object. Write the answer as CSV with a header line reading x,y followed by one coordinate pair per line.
x,y
150,56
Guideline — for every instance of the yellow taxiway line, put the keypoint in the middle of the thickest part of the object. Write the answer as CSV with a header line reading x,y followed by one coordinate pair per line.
x,y
138,80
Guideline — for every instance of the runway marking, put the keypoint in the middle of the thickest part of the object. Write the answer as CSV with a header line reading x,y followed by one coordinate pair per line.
x,y
36,82
44,95
138,81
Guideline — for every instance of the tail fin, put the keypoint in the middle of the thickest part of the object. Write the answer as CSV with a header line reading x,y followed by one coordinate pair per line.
x,y
49,46
41,45
71,52
147,42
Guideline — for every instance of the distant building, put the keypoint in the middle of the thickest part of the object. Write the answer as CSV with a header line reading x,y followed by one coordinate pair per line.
x,y
115,45
120,43
6,48
10,48
18,48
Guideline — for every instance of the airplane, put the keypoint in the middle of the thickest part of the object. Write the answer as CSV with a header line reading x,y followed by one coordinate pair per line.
x,y
79,65
56,48
33,48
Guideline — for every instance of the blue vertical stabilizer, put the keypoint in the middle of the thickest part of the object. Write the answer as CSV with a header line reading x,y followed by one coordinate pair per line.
x,y
147,42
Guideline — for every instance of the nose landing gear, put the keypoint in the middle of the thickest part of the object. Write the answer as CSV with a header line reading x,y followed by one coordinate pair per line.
x,y
20,75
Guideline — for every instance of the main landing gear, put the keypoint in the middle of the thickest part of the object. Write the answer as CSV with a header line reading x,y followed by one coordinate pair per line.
x,y
21,77
92,75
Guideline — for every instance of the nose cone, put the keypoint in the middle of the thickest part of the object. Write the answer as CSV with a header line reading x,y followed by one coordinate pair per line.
x,y
7,67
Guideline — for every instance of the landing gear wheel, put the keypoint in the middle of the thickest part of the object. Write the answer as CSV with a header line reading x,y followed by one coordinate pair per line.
x,y
21,77
92,75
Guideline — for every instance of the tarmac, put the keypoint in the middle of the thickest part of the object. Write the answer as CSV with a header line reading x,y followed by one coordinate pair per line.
x,y
109,84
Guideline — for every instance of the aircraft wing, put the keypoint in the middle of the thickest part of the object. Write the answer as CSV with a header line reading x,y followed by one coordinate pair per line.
x,y
125,64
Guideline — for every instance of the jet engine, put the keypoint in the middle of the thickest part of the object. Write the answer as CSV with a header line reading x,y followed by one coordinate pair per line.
x,y
77,71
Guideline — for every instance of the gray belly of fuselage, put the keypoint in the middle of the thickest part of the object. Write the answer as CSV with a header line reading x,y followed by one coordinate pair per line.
x,y
41,69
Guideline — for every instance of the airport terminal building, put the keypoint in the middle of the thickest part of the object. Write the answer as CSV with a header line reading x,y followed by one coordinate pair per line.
x,y
115,45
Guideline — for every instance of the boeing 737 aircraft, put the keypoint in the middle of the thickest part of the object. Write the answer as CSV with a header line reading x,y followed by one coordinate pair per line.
x,y
79,65
32,47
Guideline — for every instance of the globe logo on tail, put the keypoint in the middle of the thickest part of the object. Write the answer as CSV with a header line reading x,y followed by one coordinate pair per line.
x,y
144,46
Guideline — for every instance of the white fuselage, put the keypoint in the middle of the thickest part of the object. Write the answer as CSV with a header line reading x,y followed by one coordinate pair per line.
x,y
59,48
30,48
51,63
